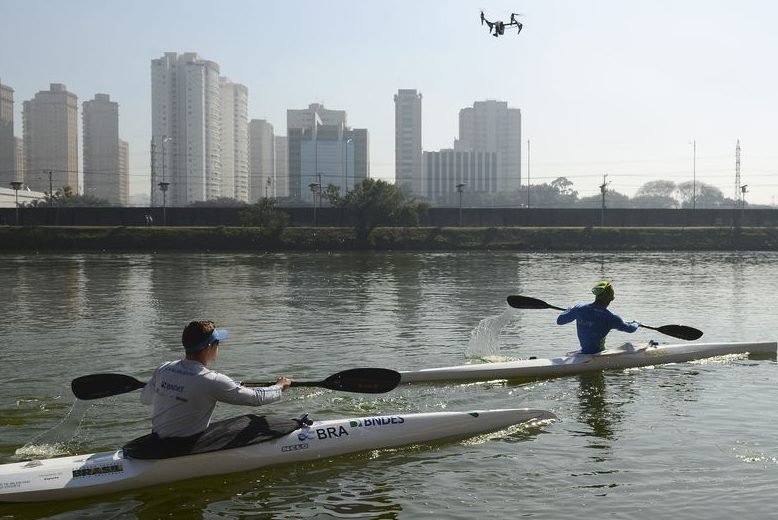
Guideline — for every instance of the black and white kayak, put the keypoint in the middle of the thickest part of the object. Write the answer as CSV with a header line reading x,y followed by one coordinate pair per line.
x,y
99,473
625,356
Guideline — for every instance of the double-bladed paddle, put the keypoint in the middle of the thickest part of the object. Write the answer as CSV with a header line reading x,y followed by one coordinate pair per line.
x,y
676,331
360,380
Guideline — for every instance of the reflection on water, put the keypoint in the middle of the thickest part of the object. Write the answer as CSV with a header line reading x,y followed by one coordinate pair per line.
x,y
309,315
594,409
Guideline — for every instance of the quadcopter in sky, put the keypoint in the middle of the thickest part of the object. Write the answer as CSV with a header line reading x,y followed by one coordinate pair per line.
x,y
498,28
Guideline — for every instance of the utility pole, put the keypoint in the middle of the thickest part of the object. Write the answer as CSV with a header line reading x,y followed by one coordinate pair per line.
x,y
603,190
51,189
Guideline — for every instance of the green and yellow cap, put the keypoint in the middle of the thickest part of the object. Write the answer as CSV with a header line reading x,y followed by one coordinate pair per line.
x,y
603,290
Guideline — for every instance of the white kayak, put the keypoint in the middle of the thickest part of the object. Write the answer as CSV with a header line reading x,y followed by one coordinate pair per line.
x,y
626,356
98,473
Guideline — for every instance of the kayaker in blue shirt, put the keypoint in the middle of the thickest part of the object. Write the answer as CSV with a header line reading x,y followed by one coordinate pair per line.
x,y
594,320
184,393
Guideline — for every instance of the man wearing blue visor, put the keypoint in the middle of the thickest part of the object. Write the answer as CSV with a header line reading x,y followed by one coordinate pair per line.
x,y
184,393
594,320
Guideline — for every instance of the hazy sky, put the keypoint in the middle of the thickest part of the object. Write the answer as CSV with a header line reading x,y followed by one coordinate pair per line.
x,y
605,86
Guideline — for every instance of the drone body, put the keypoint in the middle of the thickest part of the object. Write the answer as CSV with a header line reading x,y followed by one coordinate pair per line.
x,y
498,28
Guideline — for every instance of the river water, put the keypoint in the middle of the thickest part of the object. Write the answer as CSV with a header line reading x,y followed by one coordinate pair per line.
x,y
687,441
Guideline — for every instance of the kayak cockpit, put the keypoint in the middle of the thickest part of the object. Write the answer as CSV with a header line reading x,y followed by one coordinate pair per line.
x,y
235,432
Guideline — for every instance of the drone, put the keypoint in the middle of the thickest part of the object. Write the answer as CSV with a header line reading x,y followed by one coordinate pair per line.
x,y
498,28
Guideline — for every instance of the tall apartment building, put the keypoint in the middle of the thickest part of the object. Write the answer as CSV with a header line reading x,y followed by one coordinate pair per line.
x,y
8,172
50,123
282,166
490,126
103,176
323,151
407,141
262,160
186,114
235,141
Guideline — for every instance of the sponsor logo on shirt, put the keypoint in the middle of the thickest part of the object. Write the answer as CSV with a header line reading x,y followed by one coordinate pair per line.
x,y
377,421
171,387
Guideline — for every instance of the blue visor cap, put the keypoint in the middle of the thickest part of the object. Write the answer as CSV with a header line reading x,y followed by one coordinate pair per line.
x,y
216,335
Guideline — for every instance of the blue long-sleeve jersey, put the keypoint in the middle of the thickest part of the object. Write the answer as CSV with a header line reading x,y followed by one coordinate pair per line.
x,y
593,323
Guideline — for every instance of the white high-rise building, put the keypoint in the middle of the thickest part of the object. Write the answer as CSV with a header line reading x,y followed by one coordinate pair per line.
x,y
50,123
490,126
186,113
262,160
8,171
103,177
235,141
407,141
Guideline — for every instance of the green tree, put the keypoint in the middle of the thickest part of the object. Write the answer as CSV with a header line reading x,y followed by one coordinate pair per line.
x,y
264,214
221,202
67,198
660,188
706,196
375,203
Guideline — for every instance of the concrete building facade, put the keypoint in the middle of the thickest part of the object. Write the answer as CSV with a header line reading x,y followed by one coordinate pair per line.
x,y
235,141
490,126
282,166
103,176
323,151
445,169
408,141
50,124
262,160
8,171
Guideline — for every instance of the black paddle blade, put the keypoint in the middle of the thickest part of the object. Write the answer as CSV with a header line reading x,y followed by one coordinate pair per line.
x,y
525,302
362,380
680,331
95,386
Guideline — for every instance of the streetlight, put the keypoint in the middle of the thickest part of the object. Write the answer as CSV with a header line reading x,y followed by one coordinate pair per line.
x,y
345,160
16,185
314,187
460,189
163,187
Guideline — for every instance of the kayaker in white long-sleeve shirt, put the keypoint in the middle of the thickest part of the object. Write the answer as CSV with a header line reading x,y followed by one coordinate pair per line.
x,y
184,393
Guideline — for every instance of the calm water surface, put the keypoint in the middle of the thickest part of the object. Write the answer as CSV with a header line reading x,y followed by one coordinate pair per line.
x,y
687,441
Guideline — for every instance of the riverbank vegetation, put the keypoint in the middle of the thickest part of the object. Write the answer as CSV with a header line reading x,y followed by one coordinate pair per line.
x,y
44,238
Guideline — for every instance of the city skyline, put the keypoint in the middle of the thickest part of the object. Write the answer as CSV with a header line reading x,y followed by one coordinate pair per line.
x,y
603,88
